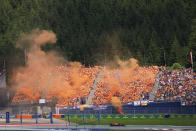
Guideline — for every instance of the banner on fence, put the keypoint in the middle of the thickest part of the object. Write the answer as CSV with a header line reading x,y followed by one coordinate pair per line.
x,y
42,101
144,103
136,103
183,103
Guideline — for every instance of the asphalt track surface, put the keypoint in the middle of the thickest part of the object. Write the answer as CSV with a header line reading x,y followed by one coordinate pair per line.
x,y
61,125
66,127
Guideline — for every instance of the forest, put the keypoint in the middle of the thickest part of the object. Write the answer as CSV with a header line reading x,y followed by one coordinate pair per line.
x,y
93,32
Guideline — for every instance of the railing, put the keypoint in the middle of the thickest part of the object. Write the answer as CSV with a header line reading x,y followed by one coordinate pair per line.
x,y
136,110
151,108
96,116
25,118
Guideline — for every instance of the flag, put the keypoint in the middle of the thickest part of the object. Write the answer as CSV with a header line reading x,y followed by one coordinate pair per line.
x,y
165,67
191,57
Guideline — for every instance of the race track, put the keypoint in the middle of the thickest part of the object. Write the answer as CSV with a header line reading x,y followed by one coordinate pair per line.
x,y
65,127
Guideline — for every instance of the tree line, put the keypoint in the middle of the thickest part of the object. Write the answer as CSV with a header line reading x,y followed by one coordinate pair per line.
x,y
156,32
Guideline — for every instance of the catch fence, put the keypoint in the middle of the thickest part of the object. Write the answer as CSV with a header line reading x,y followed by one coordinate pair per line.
x,y
151,108
30,114
38,119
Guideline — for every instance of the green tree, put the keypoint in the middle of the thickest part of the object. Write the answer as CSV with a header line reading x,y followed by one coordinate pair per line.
x,y
192,42
174,52
154,51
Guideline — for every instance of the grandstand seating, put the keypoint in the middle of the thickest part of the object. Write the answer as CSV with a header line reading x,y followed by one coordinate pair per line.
x,y
126,84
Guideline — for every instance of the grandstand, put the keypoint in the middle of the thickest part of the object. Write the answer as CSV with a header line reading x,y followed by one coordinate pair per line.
x,y
150,86
175,101
177,85
74,83
129,85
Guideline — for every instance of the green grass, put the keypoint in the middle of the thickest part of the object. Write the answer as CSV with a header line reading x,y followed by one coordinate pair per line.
x,y
173,120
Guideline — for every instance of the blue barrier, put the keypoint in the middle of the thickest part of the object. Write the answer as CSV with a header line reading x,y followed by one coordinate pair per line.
x,y
167,116
36,116
21,118
62,116
7,117
99,115
51,119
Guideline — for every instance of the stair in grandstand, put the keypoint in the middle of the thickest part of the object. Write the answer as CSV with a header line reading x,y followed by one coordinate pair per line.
x,y
152,94
95,85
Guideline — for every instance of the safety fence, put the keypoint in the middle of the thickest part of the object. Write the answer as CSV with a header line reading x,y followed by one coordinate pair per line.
x,y
135,110
31,114
26,118
35,118
99,117
124,116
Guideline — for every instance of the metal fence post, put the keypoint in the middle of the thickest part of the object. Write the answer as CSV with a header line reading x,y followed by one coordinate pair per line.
x,y
134,113
99,115
51,120
83,117
36,121
21,118
7,117
68,117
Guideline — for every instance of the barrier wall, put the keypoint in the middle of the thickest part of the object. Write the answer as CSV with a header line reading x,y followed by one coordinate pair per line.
x,y
7,118
57,116
151,108
98,117
125,116
24,116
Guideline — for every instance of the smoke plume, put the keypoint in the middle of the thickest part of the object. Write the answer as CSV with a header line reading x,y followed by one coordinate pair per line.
x,y
47,75
117,104
41,77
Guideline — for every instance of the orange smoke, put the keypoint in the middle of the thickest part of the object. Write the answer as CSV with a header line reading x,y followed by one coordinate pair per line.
x,y
29,80
127,82
117,104
47,75
45,37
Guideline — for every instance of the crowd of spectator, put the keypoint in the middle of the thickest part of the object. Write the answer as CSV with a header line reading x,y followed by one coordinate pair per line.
x,y
67,85
63,85
127,84
177,85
